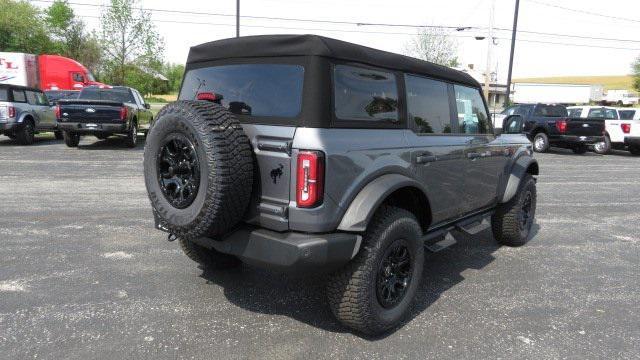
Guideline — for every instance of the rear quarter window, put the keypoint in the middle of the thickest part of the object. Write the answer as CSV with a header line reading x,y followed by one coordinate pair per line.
x,y
18,96
260,90
550,111
363,94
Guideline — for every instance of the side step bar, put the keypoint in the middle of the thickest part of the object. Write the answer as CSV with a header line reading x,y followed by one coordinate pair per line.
x,y
442,238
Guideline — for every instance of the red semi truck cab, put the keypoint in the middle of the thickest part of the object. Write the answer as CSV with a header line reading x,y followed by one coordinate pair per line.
x,y
46,72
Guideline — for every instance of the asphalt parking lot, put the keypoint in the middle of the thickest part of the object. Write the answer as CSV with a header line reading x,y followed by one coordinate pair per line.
x,y
83,274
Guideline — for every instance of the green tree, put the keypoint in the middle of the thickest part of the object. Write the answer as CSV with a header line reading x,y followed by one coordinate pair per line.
x,y
129,41
174,73
22,28
434,45
71,38
636,74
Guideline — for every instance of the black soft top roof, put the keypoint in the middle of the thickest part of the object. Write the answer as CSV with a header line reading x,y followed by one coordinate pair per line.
x,y
314,45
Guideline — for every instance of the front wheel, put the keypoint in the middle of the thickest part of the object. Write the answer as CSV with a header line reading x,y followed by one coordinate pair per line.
x,y
541,142
603,147
26,135
512,221
71,139
132,137
373,293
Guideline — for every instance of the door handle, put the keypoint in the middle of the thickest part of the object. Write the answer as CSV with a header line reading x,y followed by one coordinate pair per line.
x,y
423,159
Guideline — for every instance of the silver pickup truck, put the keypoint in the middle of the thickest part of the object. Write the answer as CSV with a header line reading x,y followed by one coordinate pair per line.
x,y
24,112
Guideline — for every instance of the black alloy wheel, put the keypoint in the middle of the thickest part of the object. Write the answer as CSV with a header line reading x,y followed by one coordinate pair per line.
x,y
178,171
525,215
394,274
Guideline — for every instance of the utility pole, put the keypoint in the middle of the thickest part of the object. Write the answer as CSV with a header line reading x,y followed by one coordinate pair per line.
x,y
487,74
237,18
513,45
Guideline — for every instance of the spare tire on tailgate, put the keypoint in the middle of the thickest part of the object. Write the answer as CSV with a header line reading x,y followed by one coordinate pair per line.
x,y
198,169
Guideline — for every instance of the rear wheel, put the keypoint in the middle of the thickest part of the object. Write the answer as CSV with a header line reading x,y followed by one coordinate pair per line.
x,y
512,221
26,135
71,139
541,142
374,292
603,147
634,149
208,258
132,136
58,135
579,149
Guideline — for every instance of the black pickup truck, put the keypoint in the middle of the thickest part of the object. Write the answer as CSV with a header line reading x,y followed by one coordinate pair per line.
x,y
103,112
549,125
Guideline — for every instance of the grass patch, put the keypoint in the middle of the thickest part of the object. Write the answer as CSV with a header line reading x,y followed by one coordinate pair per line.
x,y
609,82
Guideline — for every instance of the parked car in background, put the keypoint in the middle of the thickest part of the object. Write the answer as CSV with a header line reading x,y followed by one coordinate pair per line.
x,y
45,72
622,127
550,125
24,112
621,98
54,95
103,111
307,154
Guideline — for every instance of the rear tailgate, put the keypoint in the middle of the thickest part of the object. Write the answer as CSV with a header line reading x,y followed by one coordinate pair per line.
x,y
585,127
90,111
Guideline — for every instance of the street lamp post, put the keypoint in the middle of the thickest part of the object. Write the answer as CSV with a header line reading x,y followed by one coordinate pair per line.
x,y
237,18
513,45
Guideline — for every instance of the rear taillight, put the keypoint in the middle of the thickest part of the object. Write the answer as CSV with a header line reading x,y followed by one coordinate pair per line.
x,y
561,125
626,128
310,179
56,111
123,113
11,111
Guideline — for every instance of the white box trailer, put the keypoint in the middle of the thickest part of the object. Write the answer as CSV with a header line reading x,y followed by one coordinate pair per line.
x,y
528,93
19,69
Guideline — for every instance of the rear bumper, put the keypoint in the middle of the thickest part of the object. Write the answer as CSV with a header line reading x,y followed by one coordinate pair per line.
x,y
82,128
632,140
573,140
288,251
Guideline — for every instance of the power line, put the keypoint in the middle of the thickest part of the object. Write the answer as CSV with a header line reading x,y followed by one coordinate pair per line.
x,y
356,23
584,11
374,32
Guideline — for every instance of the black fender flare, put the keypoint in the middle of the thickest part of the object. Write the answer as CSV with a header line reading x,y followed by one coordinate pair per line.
x,y
365,204
518,169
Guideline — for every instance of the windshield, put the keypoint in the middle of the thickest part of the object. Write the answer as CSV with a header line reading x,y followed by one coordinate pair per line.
x,y
118,95
273,90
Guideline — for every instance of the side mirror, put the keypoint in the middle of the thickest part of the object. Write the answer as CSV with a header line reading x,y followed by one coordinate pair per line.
x,y
512,124
147,106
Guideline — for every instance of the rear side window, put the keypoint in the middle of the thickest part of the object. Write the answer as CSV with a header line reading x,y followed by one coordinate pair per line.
x,y
4,95
31,98
550,111
596,113
472,115
18,96
624,114
365,94
575,112
269,90
428,105
610,114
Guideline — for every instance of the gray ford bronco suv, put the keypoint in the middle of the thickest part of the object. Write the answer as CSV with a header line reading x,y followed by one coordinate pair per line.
x,y
308,154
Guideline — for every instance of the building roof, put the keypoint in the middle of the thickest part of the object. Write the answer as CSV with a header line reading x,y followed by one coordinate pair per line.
x,y
314,45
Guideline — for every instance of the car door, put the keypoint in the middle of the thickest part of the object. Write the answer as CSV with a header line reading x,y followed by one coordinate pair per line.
x,y
37,110
485,154
437,153
144,115
47,114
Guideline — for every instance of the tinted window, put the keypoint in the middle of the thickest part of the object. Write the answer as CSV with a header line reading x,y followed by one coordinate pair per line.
x,y
118,95
596,113
575,112
4,95
624,114
428,105
472,115
610,114
31,98
41,98
18,96
78,77
250,89
57,95
550,110
365,94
